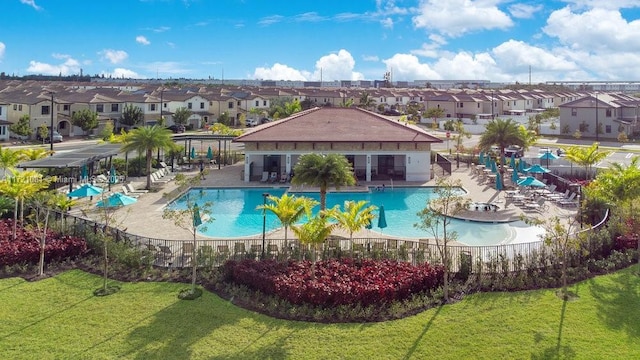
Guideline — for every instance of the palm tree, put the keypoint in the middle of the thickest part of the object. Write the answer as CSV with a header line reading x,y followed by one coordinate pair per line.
x,y
586,157
323,171
42,202
34,153
502,133
147,139
366,101
19,186
354,217
314,231
434,113
9,158
289,209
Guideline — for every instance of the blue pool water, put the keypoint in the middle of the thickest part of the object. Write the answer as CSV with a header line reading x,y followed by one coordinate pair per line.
x,y
234,214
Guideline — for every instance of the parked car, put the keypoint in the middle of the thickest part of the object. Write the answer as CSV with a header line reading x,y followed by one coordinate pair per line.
x,y
516,150
176,128
392,112
252,122
56,137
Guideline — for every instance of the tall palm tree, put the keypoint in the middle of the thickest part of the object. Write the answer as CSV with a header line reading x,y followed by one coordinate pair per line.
x,y
314,231
289,209
502,133
366,101
34,153
146,139
19,186
586,157
323,171
354,217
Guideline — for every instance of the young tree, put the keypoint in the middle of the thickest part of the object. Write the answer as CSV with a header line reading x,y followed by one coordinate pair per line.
x,y
314,232
191,219
366,101
43,132
502,133
85,119
20,185
182,115
323,171
146,139
22,127
42,203
107,131
34,153
435,114
224,119
132,116
436,217
354,217
289,209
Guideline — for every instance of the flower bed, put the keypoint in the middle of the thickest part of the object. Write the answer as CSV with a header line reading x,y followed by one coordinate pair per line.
x,y
336,282
26,248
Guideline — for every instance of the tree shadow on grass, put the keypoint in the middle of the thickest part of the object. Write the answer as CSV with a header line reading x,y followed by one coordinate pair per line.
x,y
558,351
617,300
415,344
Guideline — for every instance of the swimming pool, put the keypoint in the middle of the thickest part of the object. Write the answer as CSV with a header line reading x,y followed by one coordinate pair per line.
x,y
235,215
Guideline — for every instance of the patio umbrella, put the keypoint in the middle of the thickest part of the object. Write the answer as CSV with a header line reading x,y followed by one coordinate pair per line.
x,y
547,156
197,220
210,153
503,161
487,162
494,168
113,178
382,220
84,173
85,190
536,169
498,182
116,200
193,152
531,181
481,157
514,176
513,161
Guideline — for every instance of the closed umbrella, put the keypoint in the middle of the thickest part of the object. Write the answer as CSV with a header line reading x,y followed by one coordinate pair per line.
x,y
536,169
197,220
513,161
116,200
113,178
382,220
514,176
84,173
210,154
498,182
494,168
85,190
481,157
193,152
531,181
547,156
503,161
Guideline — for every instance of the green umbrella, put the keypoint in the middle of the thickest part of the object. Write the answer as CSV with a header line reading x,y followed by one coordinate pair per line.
x,y
197,220
193,152
209,153
382,220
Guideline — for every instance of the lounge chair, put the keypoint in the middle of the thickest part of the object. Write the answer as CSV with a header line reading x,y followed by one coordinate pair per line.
x,y
273,177
128,193
131,189
569,202
265,176
284,178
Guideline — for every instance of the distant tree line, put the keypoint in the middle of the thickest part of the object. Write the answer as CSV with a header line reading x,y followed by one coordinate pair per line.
x,y
85,78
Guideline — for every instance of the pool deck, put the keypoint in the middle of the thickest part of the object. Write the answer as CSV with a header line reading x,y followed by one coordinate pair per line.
x,y
144,218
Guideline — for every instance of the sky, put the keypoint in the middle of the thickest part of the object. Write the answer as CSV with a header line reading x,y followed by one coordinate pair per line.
x,y
497,40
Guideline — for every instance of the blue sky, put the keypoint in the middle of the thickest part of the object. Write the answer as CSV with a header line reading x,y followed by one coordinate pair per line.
x,y
497,40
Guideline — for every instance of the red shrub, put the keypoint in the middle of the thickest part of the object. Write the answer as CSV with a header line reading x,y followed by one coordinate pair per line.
x,y
26,247
336,282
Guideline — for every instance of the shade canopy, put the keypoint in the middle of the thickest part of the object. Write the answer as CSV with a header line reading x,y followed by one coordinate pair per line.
x,y
116,200
548,156
531,181
382,220
85,190
536,169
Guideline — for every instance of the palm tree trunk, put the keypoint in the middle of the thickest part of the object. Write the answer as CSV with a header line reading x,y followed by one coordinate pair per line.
x,y
149,155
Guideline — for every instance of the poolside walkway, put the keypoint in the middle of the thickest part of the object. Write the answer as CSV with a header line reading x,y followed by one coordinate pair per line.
x,y
144,218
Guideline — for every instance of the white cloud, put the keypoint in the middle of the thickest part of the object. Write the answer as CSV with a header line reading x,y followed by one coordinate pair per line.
x,y
161,29
514,56
337,67
373,58
611,5
114,56
31,3
457,17
596,30
280,72
2,49
69,67
270,20
142,40
123,73
408,67
432,49
387,23
524,11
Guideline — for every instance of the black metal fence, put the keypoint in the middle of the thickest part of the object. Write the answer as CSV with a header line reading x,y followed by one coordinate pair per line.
x,y
214,252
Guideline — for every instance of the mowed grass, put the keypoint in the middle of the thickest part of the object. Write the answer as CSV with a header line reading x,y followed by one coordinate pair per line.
x,y
59,318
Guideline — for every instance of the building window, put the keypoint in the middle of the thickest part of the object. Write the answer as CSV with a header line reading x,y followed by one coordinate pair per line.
x,y
15,107
115,108
230,104
189,106
264,103
0,110
152,107
99,108
478,105
66,107
46,110
20,107
574,112
608,113
257,103
239,103
201,105
607,129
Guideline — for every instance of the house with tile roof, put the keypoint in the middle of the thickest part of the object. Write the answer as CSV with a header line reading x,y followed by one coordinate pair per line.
x,y
377,147
611,113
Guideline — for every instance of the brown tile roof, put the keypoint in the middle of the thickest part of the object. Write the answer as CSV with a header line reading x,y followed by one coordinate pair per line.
x,y
337,125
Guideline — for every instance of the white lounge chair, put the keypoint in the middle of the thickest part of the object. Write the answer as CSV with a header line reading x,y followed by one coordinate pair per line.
x,y
265,176
128,193
569,202
133,190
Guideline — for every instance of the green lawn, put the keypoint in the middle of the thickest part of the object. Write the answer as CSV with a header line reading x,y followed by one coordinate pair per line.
x,y
59,318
